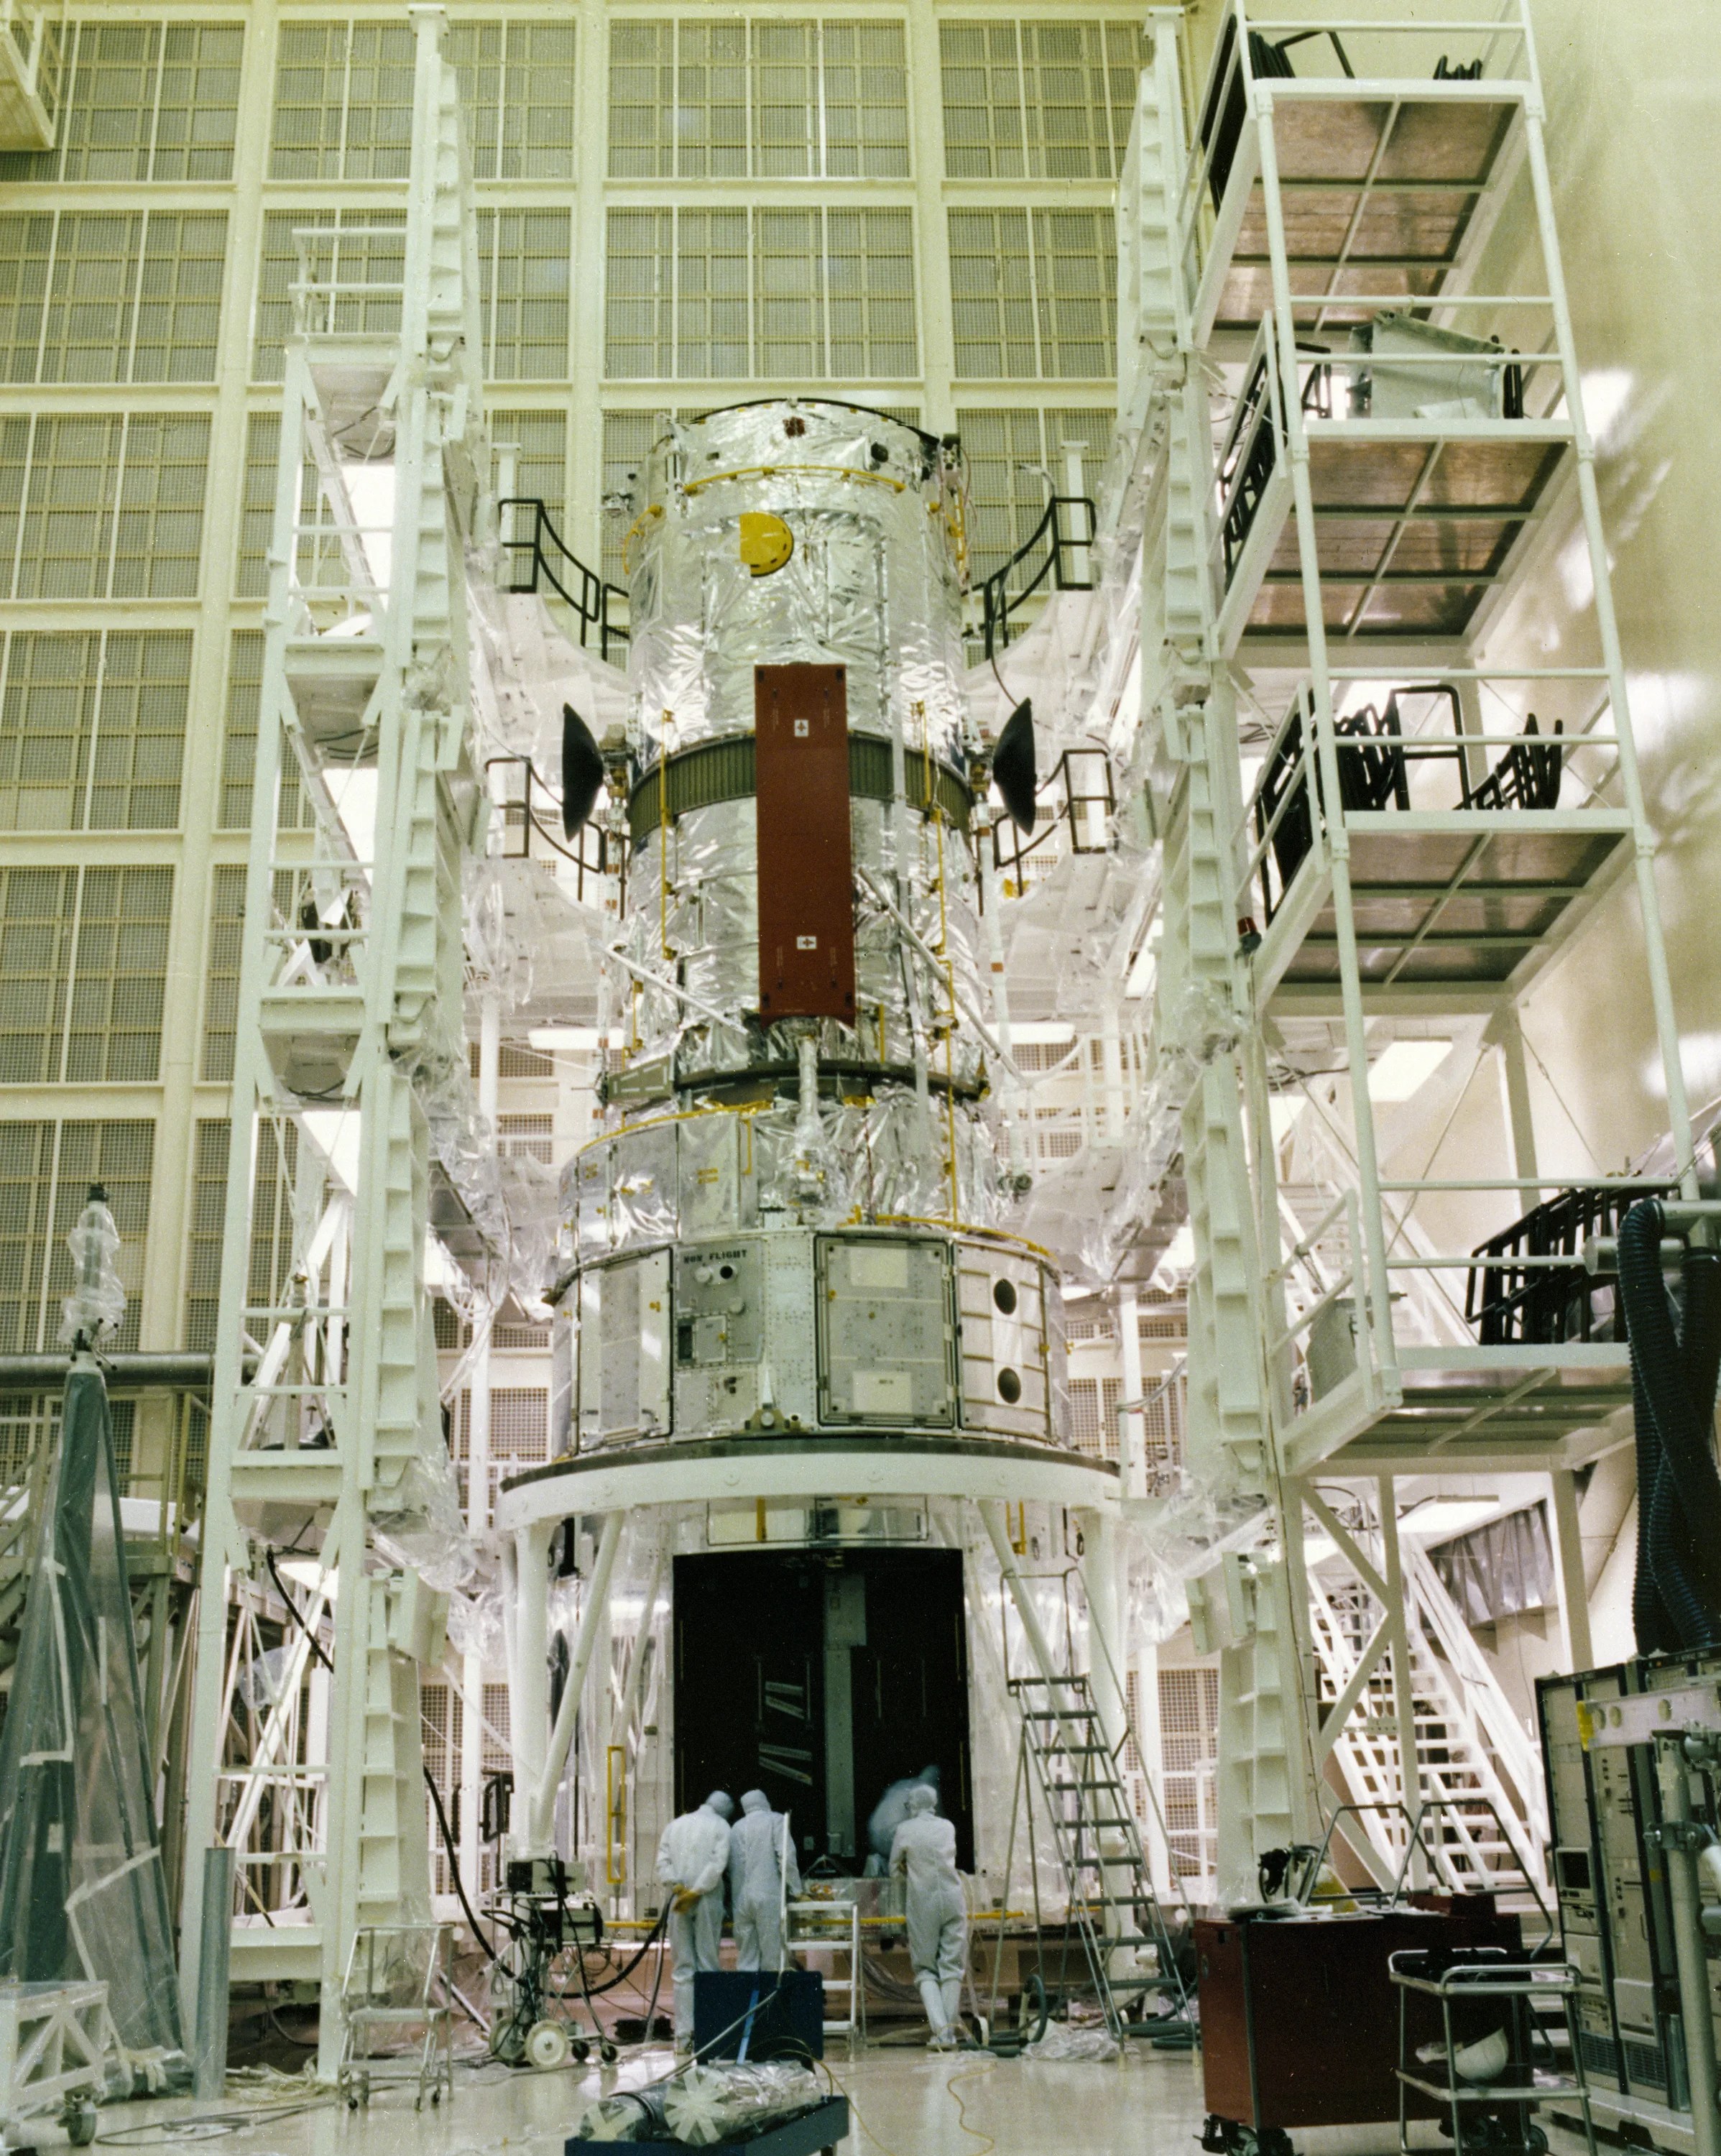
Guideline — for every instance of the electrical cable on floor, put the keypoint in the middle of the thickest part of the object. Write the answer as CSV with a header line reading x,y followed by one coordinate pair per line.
x,y
829,2073
210,2126
974,2133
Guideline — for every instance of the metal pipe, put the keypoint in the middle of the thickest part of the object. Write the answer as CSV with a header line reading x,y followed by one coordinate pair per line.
x,y
592,1619
1685,1896
918,943
216,1932
135,1371
991,1513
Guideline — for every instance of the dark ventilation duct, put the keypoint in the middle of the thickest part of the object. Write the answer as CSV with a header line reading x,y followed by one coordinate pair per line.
x,y
581,771
1013,764
1676,1598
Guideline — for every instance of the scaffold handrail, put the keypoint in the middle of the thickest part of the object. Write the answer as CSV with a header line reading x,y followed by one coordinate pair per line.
x,y
549,560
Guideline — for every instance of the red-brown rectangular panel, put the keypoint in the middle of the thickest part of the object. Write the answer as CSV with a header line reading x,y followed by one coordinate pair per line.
x,y
805,870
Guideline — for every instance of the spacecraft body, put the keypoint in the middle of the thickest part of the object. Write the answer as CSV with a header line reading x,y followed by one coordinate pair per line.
x,y
791,1224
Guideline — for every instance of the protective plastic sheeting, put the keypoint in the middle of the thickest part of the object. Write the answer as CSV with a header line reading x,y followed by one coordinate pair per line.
x,y
83,1894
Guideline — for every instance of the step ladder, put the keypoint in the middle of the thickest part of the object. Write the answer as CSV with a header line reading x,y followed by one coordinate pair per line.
x,y
1112,1902
835,1928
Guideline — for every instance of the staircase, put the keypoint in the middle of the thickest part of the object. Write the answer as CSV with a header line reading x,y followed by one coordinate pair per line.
x,y
1477,1804
1112,1903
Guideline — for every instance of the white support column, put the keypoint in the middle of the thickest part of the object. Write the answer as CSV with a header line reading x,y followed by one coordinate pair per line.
x,y
529,1677
1132,1424
1576,1652
1151,1742
594,1625
1507,1032
1403,1697
478,1487
1102,1552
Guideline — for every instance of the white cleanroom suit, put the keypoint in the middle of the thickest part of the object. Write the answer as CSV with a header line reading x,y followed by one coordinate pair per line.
x,y
758,1844
692,1856
924,1848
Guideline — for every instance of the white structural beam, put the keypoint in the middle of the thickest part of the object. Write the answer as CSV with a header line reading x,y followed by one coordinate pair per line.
x,y
349,1016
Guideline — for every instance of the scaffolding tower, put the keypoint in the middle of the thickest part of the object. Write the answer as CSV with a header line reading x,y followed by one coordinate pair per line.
x,y
1351,423
350,1071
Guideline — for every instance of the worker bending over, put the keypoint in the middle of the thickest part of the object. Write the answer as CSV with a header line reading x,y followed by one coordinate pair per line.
x,y
692,1857
924,1848
759,1852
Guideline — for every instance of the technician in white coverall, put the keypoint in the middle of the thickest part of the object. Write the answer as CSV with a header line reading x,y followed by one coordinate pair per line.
x,y
692,1858
757,1844
924,1848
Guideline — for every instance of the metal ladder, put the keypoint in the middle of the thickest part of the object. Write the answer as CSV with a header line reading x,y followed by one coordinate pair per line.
x,y
1112,1902
834,1926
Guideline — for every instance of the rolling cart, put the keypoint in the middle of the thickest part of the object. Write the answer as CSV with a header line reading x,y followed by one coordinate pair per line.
x,y
1486,2073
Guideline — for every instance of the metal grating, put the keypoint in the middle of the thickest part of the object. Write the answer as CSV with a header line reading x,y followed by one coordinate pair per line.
x,y
92,729
221,973
144,101
1007,451
1037,100
517,97
343,99
46,1169
90,296
1189,1745
758,99
1033,294
343,102
238,751
204,1236
272,1194
526,1138
524,259
83,973
814,293
102,507
539,442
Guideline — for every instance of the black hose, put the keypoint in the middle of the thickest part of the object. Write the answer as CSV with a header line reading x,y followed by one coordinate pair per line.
x,y
441,1820
1679,1487
596,1990
1653,1629
436,1795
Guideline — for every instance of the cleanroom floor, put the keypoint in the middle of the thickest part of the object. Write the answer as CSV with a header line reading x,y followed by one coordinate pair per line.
x,y
907,2102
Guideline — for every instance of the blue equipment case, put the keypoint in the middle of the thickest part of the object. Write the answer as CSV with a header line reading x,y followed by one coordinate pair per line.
x,y
757,2015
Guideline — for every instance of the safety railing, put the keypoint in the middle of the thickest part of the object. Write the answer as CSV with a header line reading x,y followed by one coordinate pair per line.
x,y
1415,750
531,816
1375,42
1055,549
1516,1294
33,51
328,301
1077,802
317,926
1400,371
542,561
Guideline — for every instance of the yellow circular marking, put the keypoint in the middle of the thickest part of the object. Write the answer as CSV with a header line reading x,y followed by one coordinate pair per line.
x,y
766,542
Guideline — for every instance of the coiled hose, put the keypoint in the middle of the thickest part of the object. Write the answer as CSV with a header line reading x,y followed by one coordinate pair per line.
x,y
1676,1599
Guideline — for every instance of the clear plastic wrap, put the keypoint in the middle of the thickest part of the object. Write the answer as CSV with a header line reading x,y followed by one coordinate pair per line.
x,y
711,2103
417,1524
82,1892
494,953
95,1309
